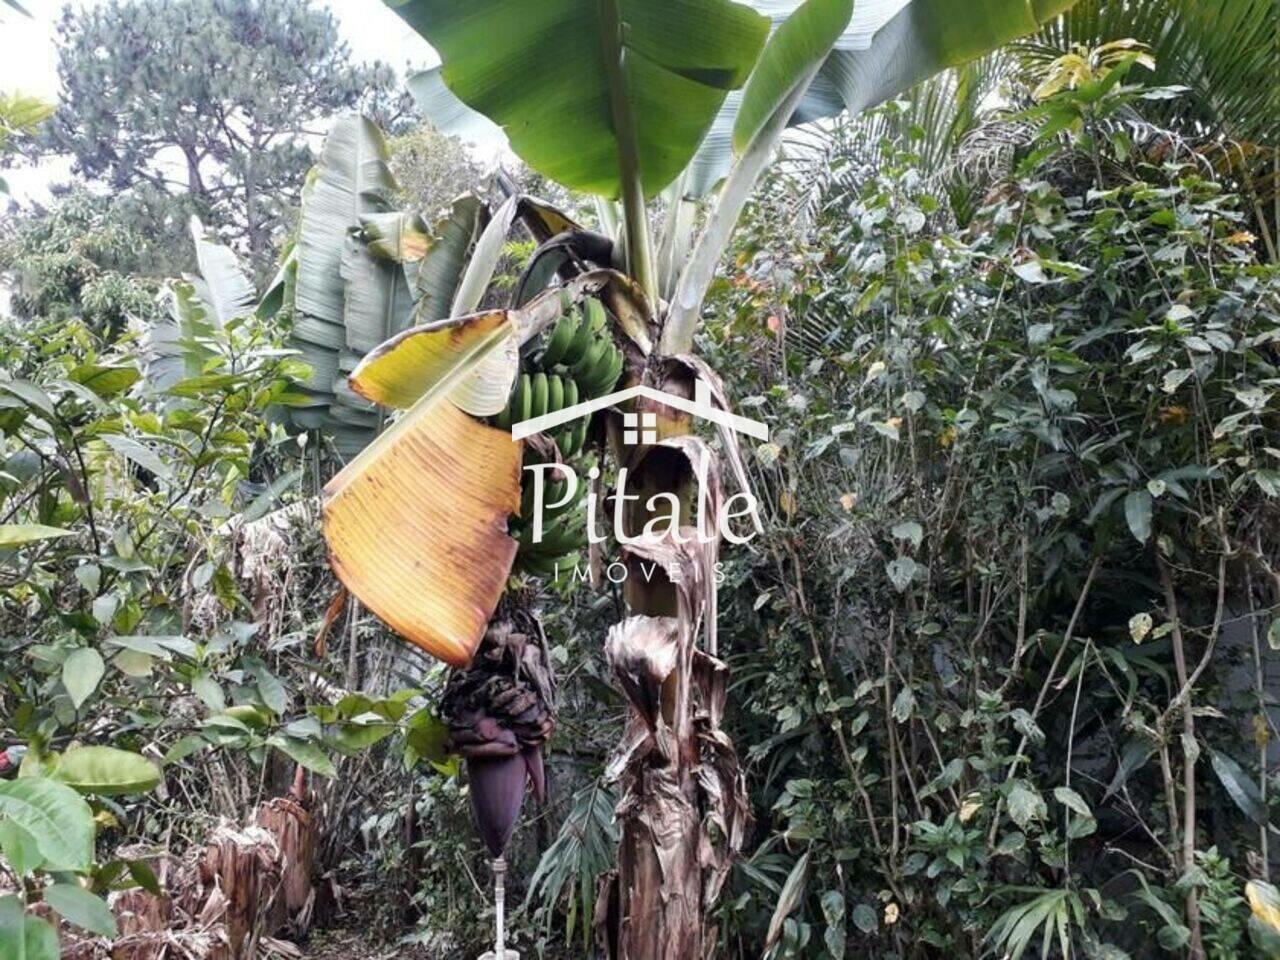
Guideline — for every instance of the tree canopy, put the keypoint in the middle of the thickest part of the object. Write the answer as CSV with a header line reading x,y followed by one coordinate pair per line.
x,y
216,99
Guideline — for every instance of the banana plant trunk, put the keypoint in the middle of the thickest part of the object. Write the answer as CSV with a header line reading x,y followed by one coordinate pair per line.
x,y
683,809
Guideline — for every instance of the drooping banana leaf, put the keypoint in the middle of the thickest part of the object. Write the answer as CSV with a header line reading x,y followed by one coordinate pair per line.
x,y
346,299
400,236
456,272
543,73
350,180
176,345
416,525
377,301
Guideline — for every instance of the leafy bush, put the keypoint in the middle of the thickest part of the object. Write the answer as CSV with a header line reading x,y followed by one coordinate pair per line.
x,y
1020,485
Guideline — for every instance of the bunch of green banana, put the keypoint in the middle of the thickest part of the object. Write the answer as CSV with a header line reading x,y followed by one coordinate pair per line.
x,y
562,534
580,345
578,361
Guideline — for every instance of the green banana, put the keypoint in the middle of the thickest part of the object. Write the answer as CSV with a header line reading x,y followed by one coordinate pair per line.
x,y
562,537
595,353
538,565
538,403
578,435
583,338
555,393
566,326
601,377
596,317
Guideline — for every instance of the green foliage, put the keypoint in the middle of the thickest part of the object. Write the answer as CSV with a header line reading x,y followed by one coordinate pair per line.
x,y
89,257
20,114
47,831
569,870
965,425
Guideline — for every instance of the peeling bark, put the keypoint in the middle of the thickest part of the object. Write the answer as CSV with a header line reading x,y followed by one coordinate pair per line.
x,y
683,808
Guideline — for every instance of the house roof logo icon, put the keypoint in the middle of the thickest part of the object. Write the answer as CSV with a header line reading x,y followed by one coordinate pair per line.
x,y
639,427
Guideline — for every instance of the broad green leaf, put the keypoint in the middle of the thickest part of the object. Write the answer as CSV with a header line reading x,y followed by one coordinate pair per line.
x,y
1025,804
176,347
865,919
19,848
910,531
427,738
224,284
306,753
81,907
24,937
350,180
1137,513
209,691
142,874
17,534
542,72
184,748
892,45
1072,800
55,816
793,51
32,396
833,913
378,301
139,453
901,572
272,690
340,312
81,673
106,771
105,381
356,735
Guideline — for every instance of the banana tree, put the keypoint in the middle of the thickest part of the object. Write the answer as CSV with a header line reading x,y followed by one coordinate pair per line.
x,y
629,101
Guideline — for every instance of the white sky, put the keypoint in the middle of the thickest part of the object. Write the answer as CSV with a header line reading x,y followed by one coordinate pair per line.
x,y
29,62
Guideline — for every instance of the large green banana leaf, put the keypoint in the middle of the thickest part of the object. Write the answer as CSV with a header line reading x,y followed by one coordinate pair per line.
x,y
346,301
542,71
888,47
223,283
